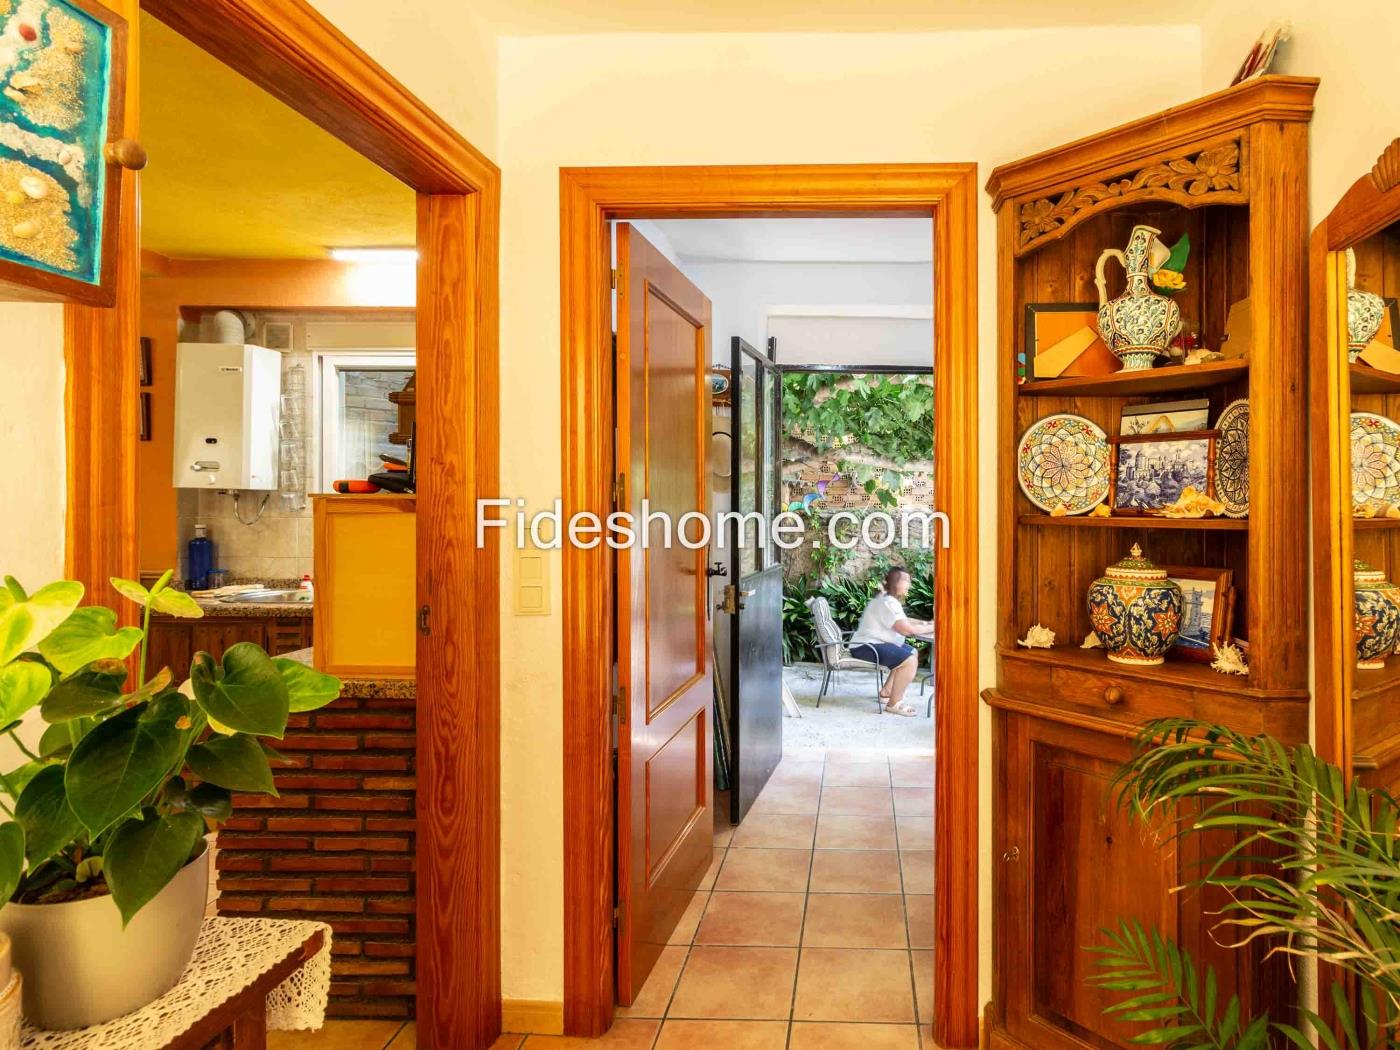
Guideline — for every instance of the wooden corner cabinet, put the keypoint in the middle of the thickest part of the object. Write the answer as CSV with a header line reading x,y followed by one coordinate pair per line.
x,y
1230,171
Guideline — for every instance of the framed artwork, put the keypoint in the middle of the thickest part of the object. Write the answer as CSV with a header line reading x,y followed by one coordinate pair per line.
x,y
146,362
145,415
1164,417
1151,471
63,63
1207,596
1062,339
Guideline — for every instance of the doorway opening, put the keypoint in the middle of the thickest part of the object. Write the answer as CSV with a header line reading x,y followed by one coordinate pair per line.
x,y
653,862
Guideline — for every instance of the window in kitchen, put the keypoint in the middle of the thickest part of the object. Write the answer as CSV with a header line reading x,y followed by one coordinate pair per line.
x,y
357,417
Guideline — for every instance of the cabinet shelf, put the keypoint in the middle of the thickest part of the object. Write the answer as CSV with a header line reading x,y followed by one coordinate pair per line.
x,y
1368,380
1368,524
1084,521
1166,380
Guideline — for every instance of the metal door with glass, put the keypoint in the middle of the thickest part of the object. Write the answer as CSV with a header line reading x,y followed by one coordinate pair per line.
x,y
754,599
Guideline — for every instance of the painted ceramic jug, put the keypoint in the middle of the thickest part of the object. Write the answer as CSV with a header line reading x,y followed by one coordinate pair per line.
x,y
1135,610
1377,616
1140,324
1365,312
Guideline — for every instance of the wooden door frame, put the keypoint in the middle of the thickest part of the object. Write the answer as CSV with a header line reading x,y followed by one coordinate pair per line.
x,y
589,199
290,50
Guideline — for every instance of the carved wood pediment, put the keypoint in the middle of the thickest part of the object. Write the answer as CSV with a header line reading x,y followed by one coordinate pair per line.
x,y
1206,176
1386,173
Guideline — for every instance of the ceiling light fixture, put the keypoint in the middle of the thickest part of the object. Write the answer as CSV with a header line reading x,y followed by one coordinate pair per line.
x,y
400,256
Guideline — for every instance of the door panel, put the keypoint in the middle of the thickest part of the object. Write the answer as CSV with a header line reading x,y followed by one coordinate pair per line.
x,y
756,628
664,734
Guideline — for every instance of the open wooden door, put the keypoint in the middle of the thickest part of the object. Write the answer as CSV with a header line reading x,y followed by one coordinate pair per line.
x,y
665,823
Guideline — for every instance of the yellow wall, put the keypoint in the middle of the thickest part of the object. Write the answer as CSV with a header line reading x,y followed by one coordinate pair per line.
x,y
743,99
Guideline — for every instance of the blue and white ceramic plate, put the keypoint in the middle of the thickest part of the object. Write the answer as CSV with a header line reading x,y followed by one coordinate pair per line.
x,y
1232,459
1062,461
1375,461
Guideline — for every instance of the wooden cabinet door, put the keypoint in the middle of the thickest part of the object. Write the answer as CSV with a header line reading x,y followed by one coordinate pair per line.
x,y
170,645
665,823
287,636
1070,863
213,636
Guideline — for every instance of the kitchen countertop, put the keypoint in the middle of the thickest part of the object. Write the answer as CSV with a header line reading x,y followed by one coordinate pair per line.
x,y
379,688
268,610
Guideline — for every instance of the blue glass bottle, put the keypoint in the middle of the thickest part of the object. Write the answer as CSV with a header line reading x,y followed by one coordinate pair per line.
x,y
200,559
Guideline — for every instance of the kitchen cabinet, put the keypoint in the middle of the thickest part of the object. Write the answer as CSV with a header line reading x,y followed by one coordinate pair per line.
x,y
174,642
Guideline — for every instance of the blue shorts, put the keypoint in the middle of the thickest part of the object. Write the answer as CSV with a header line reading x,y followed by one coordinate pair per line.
x,y
886,654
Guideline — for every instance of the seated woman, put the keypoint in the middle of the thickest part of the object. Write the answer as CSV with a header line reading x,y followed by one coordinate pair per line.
x,y
880,639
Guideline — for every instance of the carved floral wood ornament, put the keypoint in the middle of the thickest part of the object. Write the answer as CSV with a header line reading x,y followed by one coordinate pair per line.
x,y
1207,176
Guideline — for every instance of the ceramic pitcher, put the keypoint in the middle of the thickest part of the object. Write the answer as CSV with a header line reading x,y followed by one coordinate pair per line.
x,y
1140,324
1365,312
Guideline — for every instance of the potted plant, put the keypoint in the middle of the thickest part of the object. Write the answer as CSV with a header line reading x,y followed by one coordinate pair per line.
x,y
1330,890
103,857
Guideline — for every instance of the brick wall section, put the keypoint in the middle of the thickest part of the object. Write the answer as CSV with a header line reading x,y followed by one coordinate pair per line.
x,y
337,846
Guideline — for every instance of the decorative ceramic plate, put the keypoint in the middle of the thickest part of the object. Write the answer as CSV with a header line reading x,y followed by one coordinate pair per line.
x,y
1063,462
1232,459
1375,460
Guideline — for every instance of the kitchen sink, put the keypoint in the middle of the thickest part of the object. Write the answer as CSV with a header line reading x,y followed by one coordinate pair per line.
x,y
267,597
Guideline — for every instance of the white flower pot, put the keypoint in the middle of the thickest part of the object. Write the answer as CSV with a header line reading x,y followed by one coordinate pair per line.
x,y
81,968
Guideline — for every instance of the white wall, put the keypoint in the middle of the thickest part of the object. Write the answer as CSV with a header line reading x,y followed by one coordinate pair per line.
x,y
33,485
1352,47
746,99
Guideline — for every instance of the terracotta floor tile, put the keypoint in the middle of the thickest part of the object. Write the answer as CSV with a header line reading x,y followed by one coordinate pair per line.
x,y
751,983
723,833
505,1042
623,1035
923,986
773,870
854,920
754,919
776,831
854,984
788,798
918,871
912,772
731,1035
651,1001
817,1035
836,756
919,910
857,774
856,801
708,881
338,1035
407,1039
913,802
914,832
837,831
855,871
684,932
790,772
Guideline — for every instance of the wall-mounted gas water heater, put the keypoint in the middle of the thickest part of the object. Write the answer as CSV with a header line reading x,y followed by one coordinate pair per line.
x,y
227,404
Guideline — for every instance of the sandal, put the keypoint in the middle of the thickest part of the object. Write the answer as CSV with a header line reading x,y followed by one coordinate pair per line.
x,y
900,709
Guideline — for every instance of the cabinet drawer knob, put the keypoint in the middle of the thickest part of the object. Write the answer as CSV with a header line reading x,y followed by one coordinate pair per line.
x,y
1113,695
126,153
1014,853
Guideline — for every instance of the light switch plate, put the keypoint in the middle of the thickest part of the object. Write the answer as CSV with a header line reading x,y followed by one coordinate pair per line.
x,y
531,582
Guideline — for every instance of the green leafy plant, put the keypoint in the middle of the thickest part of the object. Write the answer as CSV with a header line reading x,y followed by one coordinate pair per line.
x,y
125,781
1313,868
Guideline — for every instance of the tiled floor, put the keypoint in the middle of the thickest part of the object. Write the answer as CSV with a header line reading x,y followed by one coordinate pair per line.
x,y
813,929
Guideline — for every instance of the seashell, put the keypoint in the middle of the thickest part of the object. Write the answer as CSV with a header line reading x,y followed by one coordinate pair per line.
x,y
15,96
1091,641
1101,511
73,47
24,230
34,187
65,155
14,197
24,80
1038,637
1229,660
28,32
1059,512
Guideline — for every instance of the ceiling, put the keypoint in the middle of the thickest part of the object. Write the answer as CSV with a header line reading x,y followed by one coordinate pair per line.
x,y
547,17
234,173
799,240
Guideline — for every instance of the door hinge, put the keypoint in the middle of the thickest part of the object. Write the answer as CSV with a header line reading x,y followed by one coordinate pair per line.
x,y
424,615
619,491
620,704
617,917
613,278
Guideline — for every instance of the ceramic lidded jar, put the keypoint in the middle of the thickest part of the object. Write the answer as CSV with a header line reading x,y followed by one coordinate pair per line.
x,y
1365,313
1377,616
1135,610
